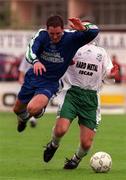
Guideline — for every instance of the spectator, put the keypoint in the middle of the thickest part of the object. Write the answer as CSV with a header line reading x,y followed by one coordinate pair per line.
x,y
118,77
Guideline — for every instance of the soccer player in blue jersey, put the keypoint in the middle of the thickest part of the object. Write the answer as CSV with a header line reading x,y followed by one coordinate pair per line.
x,y
50,51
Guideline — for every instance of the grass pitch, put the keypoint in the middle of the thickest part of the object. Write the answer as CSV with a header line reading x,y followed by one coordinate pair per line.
x,y
21,153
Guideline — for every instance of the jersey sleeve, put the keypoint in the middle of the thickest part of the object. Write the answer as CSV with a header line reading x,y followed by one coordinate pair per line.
x,y
107,65
34,46
92,30
24,66
86,36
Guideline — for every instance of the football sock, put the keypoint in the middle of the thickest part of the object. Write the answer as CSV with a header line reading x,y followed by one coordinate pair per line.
x,y
76,158
55,139
24,115
80,153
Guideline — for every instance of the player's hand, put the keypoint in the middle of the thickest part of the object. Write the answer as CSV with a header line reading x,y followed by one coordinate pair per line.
x,y
114,71
76,24
39,68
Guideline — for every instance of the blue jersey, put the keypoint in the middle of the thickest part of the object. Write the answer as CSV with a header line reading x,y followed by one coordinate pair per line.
x,y
57,57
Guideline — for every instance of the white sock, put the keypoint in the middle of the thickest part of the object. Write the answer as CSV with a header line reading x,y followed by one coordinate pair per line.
x,y
80,153
24,115
55,139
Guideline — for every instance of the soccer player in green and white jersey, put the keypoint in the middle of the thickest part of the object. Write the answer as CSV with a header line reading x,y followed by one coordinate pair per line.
x,y
92,66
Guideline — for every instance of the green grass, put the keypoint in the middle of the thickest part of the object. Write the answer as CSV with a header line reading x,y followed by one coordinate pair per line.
x,y
21,153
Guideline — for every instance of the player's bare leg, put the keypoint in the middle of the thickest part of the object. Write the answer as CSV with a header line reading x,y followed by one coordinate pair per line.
x,y
86,139
40,111
61,127
22,114
36,107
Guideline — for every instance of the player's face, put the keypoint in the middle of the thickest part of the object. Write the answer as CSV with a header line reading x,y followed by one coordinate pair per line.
x,y
55,33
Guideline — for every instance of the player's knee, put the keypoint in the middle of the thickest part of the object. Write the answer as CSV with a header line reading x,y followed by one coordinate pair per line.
x,y
32,110
61,127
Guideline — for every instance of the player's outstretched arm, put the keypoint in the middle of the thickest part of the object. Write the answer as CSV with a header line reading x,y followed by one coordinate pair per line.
x,y
79,25
114,72
87,30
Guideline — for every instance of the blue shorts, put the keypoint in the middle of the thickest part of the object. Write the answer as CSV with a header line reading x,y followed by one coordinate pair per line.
x,y
34,85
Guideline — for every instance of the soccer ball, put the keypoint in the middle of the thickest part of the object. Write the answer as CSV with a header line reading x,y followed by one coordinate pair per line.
x,y
101,162
33,121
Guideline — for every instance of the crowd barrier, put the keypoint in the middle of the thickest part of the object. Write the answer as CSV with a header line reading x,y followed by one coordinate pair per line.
x,y
113,98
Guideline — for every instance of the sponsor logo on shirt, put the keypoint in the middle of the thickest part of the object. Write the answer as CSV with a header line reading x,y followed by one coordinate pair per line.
x,y
52,57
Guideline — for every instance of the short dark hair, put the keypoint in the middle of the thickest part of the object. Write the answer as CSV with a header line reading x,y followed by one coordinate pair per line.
x,y
55,21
